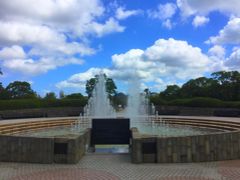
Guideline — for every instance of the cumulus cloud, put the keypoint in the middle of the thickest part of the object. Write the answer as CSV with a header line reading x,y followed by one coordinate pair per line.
x,y
79,80
51,30
164,11
233,62
230,34
110,26
12,52
167,58
190,7
200,21
122,13
217,51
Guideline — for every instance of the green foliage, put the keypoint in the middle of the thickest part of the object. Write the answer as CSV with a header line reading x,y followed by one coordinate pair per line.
x,y
171,92
157,100
222,85
75,96
198,102
40,103
50,96
119,99
20,90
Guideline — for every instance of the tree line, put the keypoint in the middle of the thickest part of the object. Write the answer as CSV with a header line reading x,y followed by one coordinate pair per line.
x,y
222,85
23,90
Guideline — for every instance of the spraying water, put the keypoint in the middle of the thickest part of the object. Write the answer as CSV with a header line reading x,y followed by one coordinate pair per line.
x,y
137,105
99,103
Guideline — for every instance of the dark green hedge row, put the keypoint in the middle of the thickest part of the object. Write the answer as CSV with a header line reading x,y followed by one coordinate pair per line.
x,y
200,102
40,103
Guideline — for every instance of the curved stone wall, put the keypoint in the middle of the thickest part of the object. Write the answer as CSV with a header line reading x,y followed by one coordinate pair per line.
x,y
199,148
15,148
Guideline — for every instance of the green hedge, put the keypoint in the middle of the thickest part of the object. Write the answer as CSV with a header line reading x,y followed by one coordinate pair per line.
x,y
201,102
39,103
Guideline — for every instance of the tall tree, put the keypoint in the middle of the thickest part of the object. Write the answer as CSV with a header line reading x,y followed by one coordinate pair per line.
x,y
200,87
229,84
110,85
50,96
20,90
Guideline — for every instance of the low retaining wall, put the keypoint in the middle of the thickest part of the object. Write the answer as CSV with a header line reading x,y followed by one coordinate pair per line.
x,y
197,111
211,147
41,112
43,150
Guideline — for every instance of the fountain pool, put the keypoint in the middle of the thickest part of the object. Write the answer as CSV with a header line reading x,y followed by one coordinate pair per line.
x,y
173,130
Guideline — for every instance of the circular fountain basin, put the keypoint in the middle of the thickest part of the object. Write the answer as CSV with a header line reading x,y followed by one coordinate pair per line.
x,y
168,130
61,131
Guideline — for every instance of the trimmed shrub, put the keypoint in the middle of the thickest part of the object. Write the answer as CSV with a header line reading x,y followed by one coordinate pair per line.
x,y
201,102
40,103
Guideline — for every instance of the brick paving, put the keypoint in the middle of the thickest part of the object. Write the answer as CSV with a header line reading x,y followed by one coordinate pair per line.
x,y
119,167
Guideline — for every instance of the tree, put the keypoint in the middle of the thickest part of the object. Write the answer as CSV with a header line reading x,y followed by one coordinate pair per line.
x,y
120,99
110,85
50,96
200,87
171,92
75,96
3,93
229,84
20,90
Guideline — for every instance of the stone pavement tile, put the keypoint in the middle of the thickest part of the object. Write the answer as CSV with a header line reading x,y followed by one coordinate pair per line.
x,y
116,167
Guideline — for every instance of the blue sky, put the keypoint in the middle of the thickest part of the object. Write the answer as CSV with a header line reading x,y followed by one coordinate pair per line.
x,y
59,44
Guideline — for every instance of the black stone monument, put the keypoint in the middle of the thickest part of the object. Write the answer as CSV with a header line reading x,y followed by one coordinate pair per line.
x,y
110,131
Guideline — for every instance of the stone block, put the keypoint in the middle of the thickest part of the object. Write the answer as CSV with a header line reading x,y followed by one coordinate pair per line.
x,y
149,158
137,156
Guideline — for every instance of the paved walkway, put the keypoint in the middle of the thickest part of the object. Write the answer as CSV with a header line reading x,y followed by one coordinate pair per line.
x,y
119,167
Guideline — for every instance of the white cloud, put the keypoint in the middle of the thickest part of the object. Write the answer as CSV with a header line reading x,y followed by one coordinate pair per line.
x,y
121,13
49,28
168,24
169,59
39,37
110,26
230,34
191,7
233,62
200,21
12,53
217,51
163,12
33,67
79,80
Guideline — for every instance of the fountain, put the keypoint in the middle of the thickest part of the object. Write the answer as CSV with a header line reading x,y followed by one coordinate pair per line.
x,y
154,138
137,104
99,104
